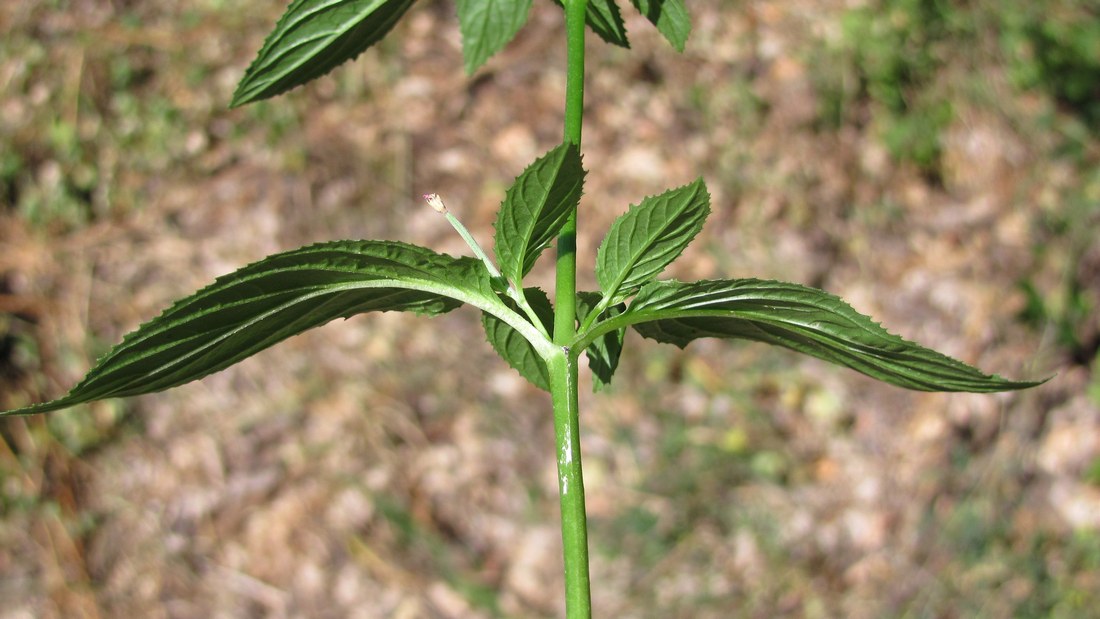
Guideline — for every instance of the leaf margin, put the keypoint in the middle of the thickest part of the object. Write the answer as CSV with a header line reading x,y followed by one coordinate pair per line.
x,y
671,19
254,87
680,212
648,307
453,280
519,238
489,37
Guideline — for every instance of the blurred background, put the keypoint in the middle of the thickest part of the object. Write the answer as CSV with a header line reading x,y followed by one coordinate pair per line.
x,y
933,162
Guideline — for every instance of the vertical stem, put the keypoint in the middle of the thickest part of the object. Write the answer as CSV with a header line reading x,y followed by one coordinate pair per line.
x,y
574,84
574,521
563,366
566,286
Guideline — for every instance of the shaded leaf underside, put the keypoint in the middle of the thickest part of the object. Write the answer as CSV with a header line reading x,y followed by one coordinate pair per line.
x,y
605,19
603,354
514,348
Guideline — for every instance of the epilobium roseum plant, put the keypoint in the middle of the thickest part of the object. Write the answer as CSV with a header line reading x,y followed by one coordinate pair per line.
x,y
251,309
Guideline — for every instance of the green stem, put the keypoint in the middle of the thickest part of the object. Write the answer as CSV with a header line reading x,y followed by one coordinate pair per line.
x,y
562,365
566,285
574,523
574,79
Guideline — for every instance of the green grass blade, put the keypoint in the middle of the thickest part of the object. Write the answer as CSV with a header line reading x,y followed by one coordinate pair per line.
x,y
642,242
280,296
535,208
311,39
803,319
487,26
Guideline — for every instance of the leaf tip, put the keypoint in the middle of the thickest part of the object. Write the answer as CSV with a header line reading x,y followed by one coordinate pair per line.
x,y
240,95
471,67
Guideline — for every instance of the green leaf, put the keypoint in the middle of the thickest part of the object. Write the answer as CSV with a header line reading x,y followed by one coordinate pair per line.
x,y
487,26
603,353
803,319
282,295
670,17
513,347
312,38
535,208
604,18
643,241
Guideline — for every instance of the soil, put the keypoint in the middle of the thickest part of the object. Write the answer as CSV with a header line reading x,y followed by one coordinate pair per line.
x,y
392,466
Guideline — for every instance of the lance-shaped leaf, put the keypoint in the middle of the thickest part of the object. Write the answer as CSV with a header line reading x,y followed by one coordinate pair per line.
x,y
535,208
280,296
643,241
803,319
487,26
312,38
670,17
603,353
605,19
516,349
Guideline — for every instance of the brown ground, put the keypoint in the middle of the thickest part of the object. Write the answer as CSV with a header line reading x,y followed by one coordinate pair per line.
x,y
391,466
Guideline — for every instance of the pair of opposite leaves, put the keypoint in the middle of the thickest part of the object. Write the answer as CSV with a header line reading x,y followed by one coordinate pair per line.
x,y
287,293
315,36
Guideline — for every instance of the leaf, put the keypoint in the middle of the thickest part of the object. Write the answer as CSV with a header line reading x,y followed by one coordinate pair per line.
x,y
282,295
670,17
535,208
514,348
803,319
604,18
311,39
643,241
603,354
487,26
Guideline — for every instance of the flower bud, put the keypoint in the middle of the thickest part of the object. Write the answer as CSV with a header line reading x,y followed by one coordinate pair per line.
x,y
435,202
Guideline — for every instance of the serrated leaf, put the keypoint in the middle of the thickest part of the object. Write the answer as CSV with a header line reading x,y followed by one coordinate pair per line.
x,y
311,39
535,208
644,240
513,347
487,26
273,299
604,18
603,354
803,319
670,17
